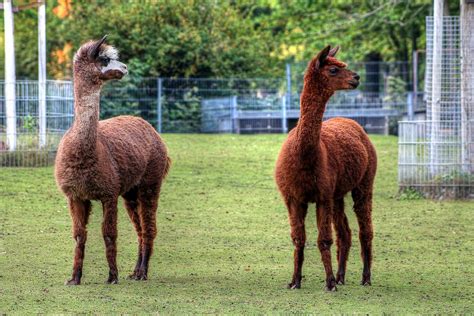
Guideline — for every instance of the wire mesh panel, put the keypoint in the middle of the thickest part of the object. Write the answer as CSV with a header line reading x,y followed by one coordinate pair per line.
x,y
450,180
31,148
219,105
379,101
130,96
432,153
191,105
443,75
376,76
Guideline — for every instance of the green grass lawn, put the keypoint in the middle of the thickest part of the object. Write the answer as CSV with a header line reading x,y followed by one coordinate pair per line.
x,y
223,244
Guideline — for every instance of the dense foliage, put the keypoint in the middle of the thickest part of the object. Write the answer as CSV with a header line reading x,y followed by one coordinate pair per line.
x,y
206,38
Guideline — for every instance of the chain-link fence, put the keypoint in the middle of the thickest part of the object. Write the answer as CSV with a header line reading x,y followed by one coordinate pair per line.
x,y
32,147
195,105
435,156
378,103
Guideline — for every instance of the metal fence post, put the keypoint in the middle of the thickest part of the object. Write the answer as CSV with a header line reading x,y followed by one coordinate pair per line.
x,y
235,115
410,109
284,126
288,84
42,73
415,78
10,77
158,104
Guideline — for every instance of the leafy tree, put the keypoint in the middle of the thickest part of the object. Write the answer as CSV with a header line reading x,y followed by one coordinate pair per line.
x,y
390,28
208,38
170,38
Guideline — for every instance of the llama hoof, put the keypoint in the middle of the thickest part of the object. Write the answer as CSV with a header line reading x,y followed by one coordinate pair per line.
x,y
72,282
112,281
294,285
340,280
331,285
139,276
366,281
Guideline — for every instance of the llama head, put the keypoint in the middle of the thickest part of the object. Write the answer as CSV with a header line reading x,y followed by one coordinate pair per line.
x,y
326,70
98,62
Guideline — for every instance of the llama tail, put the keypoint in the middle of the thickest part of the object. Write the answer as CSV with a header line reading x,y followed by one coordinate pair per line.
x,y
168,166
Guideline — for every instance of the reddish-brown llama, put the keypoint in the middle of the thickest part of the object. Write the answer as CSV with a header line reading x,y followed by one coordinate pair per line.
x,y
102,160
319,163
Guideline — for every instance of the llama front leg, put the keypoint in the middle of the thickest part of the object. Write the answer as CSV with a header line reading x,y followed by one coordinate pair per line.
x,y
343,242
297,214
109,232
80,211
324,215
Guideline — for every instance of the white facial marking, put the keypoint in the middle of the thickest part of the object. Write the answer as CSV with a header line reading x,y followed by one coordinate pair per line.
x,y
114,65
110,52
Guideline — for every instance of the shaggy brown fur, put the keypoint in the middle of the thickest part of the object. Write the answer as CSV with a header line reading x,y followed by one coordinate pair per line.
x,y
319,163
101,160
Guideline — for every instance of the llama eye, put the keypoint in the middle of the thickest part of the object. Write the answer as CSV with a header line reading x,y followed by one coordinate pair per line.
x,y
104,61
333,70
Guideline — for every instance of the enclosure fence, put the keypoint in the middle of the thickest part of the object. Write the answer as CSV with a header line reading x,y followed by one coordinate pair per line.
x,y
436,155
30,137
35,145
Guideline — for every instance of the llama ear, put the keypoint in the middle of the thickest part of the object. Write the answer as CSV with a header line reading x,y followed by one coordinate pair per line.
x,y
321,57
95,49
334,51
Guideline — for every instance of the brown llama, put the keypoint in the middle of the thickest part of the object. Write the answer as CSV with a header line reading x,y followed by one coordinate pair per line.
x,y
319,163
102,160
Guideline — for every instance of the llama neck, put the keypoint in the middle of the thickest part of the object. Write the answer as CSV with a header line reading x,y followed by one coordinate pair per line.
x,y
86,112
314,98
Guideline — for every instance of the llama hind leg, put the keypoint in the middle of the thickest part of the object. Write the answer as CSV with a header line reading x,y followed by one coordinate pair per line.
x,y
324,219
363,211
109,232
80,211
297,214
131,204
147,212
343,242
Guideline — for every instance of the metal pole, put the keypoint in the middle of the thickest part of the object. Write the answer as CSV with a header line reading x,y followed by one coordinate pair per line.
x,y
235,114
42,72
158,119
284,126
415,78
436,84
410,110
288,84
467,86
10,78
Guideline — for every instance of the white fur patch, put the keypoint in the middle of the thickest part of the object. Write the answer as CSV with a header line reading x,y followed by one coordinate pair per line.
x,y
110,52
76,57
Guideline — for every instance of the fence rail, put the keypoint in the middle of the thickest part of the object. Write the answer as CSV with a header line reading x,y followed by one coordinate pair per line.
x,y
194,105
